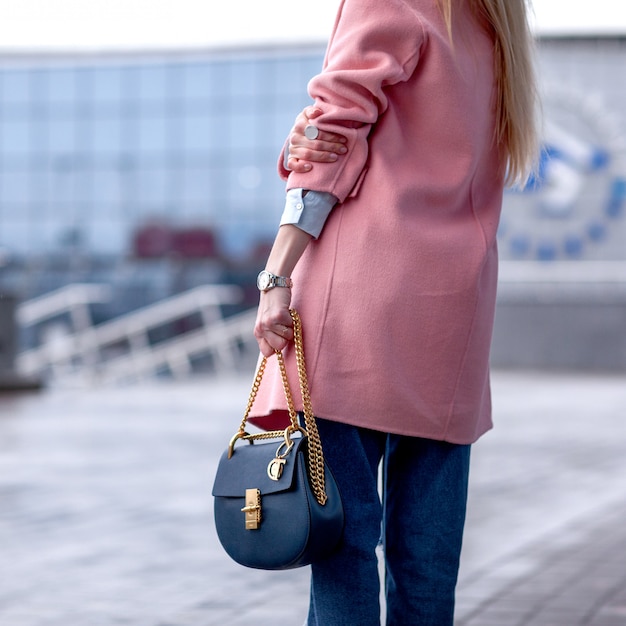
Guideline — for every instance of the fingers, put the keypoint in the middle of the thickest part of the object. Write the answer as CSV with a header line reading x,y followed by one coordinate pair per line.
x,y
317,151
326,148
325,143
295,165
300,158
268,348
312,112
307,114
321,150
270,340
325,140
274,327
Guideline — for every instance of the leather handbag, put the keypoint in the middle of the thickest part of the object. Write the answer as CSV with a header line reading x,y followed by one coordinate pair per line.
x,y
277,506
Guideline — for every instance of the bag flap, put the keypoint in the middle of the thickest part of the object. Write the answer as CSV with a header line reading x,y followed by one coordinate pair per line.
x,y
247,469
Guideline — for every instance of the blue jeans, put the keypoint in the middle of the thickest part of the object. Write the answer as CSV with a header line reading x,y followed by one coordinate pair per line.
x,y
422,515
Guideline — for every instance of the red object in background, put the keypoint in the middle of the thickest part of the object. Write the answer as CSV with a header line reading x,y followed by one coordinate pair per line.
x,y
154,241
157,241
194,243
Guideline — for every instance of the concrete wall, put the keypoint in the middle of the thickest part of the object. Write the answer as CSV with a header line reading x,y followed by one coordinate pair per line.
x,y
561,316
560,335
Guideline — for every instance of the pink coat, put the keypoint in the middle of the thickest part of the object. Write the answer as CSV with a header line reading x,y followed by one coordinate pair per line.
x,y
397,296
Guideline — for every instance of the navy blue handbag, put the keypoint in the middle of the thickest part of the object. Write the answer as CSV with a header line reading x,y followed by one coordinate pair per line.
x,y
276,504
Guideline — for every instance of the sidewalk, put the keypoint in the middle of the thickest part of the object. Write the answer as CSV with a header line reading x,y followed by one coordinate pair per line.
x,y
105,509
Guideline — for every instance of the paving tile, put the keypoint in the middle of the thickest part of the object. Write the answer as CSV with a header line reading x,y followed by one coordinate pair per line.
x,y
607,619
106,513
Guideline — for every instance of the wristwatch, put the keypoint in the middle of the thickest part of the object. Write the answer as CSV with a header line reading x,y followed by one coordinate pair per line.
x,y
266,281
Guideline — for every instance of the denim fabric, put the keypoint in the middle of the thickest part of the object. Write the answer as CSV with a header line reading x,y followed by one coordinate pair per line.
x,y
422,517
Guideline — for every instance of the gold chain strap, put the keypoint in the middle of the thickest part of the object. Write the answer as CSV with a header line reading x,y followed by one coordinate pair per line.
x,y
315,453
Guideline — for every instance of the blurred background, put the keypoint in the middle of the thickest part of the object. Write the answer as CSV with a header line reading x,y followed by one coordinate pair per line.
x,y
138,199
138,143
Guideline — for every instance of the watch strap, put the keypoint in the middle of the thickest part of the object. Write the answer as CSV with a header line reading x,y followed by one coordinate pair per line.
x,y
266,280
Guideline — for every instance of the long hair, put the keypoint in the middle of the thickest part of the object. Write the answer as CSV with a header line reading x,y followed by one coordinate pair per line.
x,y
516,89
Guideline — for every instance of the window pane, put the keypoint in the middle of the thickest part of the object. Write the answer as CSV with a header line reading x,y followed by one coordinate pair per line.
x,y
17,235
62,135
196,186
110,189
107,136
38,129
220,194
153,134
106,236
15,136
197,132
288,77
222,76
244,129
107,85
15,188
197,82
15,87
244,79
152,188
153,83
62,88
84,134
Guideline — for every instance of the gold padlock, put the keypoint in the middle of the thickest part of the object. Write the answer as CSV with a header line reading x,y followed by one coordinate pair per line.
x,y
252,509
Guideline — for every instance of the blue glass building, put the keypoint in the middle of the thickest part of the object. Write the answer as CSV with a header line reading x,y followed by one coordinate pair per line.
x,y
123,166
92,148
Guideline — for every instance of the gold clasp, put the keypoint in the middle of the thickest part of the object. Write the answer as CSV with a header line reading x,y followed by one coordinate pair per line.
x,y
252,509
276,465
275,468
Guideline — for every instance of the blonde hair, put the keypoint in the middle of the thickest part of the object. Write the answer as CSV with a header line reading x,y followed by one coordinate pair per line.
x,y
517,99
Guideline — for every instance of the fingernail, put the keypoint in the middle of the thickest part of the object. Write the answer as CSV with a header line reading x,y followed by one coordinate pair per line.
x,y
343,150
332,156
307,166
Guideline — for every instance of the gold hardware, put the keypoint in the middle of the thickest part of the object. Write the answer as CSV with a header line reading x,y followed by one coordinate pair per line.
x,y
252,509
288,444
241,434
275,468
276,465
315,453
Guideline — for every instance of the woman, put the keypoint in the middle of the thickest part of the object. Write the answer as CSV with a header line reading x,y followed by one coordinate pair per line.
x,y
388,251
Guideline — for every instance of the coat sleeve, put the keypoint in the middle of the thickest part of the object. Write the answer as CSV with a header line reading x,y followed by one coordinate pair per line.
x,y
374,45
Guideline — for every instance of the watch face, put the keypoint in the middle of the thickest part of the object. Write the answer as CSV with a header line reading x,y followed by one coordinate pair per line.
x,y
263,281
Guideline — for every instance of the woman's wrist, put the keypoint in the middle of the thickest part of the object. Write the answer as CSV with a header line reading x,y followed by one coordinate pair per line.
x,y
289,245
268,280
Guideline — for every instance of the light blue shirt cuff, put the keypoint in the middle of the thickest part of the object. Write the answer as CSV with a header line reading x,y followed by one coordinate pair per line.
x,y
308,210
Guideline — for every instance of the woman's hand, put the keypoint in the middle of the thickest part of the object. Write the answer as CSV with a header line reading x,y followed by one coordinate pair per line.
x,y
274,326
325,149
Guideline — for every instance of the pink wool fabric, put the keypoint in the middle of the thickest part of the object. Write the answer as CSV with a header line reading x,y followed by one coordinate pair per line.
x,y
397,296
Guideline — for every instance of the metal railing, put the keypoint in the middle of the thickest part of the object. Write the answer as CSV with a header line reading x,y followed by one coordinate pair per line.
x,y
74,300
123,348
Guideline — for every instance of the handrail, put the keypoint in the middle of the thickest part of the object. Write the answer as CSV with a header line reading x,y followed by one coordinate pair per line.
x,y
61,301
176,353
83,349
208,297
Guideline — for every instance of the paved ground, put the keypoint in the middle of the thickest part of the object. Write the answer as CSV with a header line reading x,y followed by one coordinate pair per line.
x,y
105,509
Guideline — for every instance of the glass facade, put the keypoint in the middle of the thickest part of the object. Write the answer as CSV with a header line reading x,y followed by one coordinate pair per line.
x,y
115,166
94,148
